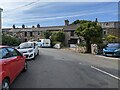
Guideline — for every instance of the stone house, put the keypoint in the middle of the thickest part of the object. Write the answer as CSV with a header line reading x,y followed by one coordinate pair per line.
x,y
36,33
111,28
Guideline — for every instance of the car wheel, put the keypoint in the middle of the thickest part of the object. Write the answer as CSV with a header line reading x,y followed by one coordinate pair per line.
x,y
25,67
34,56
5,84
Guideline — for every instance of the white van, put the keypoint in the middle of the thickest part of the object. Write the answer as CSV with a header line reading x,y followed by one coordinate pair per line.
x,y
44,43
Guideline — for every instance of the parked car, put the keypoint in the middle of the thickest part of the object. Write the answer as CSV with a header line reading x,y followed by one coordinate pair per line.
x,y
58,45
39,43
28,49
112,49
44,43
12,63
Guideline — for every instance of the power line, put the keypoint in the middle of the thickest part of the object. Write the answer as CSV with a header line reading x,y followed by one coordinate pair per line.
x,y
28,4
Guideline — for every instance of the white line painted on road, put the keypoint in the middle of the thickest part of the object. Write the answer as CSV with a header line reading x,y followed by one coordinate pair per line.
x,y
105,72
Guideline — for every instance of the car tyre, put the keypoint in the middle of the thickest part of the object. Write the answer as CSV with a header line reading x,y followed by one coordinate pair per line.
x,y
34,56
5,84
25,67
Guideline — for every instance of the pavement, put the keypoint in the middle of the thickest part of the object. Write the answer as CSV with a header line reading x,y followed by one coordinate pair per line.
x,y
55,68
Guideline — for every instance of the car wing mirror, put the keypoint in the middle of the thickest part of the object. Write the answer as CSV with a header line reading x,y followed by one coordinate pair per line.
x,y
18,47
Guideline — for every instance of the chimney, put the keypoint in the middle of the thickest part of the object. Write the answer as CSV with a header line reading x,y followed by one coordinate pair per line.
x,y
96,20
66,22
23,26
38,25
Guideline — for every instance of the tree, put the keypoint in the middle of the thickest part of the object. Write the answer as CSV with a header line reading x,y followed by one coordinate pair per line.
x,y
38,25
47,34
110,38
91,32
80,22
60,36
76,22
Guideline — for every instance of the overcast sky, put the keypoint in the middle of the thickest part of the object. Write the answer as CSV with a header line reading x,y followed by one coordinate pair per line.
x,y
54,13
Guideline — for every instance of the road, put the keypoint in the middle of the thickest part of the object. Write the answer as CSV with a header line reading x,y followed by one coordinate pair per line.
x,y
65,69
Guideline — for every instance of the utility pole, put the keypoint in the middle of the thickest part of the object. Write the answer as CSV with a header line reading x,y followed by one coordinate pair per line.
x,y
1,26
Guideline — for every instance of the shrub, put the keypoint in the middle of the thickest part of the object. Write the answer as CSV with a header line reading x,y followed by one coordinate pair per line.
x,y
10,40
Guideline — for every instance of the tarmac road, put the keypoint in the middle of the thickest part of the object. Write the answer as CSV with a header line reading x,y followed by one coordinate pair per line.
x,y
64,69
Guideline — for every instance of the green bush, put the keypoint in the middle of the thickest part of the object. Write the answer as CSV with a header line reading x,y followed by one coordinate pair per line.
x,y
10,40
58,37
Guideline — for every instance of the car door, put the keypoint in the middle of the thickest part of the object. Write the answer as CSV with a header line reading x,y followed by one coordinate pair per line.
x,y
19,60
9,63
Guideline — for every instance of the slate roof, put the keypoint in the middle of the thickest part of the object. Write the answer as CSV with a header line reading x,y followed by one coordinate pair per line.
x,y
6,29
48,28
71,27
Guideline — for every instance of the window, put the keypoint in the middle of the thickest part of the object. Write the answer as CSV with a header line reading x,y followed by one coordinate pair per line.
x,y
25,40
31,34
106,24
104,32
4,53
38,33
25,34
12,52
113,45
72,33
26,45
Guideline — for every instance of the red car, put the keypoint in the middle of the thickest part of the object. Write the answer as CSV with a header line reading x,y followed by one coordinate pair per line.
x,y
12,62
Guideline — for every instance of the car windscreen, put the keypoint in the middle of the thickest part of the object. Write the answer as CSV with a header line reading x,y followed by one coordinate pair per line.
x,y
26,45
113,45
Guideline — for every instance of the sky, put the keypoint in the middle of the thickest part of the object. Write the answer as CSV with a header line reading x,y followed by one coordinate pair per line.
x,y
53,13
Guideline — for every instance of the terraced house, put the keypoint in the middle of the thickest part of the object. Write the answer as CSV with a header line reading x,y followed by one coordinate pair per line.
x,y
36,32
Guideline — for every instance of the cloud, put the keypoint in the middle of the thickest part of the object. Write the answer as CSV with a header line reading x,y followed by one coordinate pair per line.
x,y
19,13
62,17
60,1
40,19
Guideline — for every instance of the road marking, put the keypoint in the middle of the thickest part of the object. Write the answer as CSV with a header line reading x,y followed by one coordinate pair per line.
x,y
105,72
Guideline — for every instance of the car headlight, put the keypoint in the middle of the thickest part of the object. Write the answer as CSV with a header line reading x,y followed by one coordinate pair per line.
x,y
117,50
30,50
